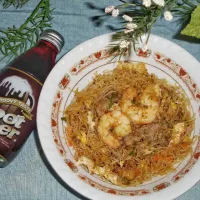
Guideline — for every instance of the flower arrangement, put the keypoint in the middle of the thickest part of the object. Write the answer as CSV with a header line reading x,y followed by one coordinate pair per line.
x,y
138,18
140,15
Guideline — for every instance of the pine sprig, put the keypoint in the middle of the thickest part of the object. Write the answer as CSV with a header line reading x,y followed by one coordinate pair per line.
x,y
15,41
15,3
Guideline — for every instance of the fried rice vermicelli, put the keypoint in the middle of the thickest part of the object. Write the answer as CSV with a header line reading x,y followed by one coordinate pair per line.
x,y
128,126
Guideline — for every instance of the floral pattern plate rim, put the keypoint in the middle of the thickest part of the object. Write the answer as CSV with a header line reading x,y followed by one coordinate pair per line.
x,y
75,70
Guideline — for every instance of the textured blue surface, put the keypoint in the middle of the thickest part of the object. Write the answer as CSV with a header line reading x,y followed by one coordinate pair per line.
x,y
30,177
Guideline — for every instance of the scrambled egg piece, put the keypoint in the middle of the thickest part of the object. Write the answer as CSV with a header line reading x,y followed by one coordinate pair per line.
x,y
178,130
147,152
83,137
102,171
112,178
90,120
87,162
121,163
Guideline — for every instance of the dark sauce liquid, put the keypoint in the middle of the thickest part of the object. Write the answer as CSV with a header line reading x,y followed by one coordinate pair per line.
x,y
20,86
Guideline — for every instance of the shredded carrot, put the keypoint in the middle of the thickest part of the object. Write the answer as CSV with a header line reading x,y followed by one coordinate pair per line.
x,y
185,145
169,158
69,133
137,172
156,158
163,158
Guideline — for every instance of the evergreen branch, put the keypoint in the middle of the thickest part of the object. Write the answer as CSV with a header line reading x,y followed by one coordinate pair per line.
x,y
15,41
15,3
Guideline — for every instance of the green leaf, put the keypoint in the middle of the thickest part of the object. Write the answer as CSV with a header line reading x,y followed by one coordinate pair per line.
x,y
63,119
193,28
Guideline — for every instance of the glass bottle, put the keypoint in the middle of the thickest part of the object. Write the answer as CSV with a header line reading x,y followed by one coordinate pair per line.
x,y
20,86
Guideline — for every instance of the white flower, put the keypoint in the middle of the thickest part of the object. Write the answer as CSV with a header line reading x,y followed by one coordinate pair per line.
x,y
124,44
131,26
115,12
109,9
146,3
145,48
128,31
160,3
168,15
127,18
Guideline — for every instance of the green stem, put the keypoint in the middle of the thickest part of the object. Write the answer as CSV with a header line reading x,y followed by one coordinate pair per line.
x,y
126,5
47,12
32,15
149,32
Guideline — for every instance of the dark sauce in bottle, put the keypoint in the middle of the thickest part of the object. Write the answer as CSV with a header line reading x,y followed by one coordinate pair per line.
x,y
20,86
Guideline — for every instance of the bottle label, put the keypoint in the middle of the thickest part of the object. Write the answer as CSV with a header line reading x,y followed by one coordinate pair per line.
x,y
19,93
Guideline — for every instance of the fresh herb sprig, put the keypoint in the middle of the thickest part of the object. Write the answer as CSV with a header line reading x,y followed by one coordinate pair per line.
x,y
15,41
15,3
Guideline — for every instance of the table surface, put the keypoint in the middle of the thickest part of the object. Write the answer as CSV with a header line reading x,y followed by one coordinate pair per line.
x,y
30,177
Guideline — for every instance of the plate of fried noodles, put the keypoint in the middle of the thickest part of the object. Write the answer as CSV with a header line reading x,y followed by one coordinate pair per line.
x,y
123,129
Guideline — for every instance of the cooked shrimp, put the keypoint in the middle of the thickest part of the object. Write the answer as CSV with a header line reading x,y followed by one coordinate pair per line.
x,y
149,99
128,96
178,130
120,124
128,173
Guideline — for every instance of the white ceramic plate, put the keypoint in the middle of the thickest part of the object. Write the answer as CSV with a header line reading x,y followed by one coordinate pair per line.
x,y
75,70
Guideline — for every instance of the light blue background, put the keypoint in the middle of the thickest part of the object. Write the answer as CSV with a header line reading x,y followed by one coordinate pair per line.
x,y
30,177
